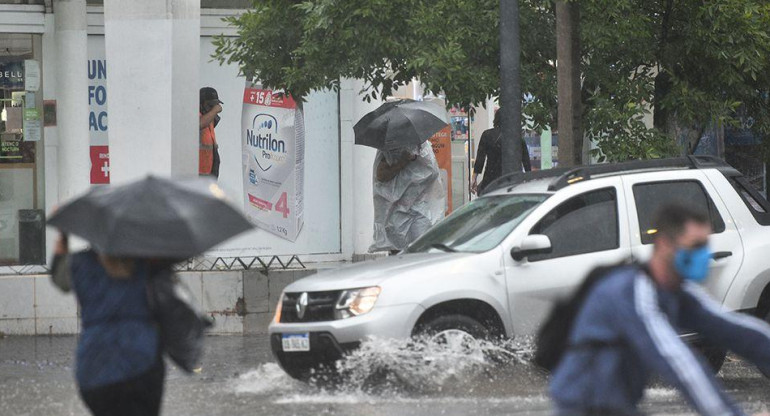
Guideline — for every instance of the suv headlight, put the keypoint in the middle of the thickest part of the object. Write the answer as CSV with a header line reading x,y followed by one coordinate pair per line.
x,y
356,302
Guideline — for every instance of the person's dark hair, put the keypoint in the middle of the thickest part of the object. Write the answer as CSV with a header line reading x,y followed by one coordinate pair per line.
x,y
497,121
670,220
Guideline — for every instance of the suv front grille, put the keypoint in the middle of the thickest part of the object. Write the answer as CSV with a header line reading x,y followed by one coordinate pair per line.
x,y
320,306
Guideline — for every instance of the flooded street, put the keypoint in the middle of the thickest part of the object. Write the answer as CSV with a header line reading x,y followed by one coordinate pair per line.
x,y
239,377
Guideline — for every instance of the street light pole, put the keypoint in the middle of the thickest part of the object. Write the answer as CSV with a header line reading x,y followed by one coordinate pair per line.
x,y
510,85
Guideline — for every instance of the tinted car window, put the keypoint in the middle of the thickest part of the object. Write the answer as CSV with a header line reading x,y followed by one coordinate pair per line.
x,y
650,197
582,224
479,225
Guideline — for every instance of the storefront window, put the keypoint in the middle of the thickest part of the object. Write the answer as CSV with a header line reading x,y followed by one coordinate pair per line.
x,y
21,215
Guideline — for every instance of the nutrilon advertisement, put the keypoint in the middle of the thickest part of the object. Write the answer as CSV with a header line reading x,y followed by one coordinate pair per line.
x,y
273,161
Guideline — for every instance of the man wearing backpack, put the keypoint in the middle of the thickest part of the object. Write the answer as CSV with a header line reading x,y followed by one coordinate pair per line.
x,y
627,329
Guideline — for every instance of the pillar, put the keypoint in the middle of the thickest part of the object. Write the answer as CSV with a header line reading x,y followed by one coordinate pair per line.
x,y
73,164
356,177
152,49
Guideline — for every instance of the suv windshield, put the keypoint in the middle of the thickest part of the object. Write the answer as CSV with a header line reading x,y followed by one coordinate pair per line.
x,y
478,226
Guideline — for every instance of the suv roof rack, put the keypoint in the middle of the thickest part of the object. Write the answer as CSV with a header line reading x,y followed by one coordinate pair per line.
x,y
564,177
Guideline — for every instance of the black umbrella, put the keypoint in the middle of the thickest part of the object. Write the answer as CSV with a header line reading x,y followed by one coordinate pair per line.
x,y
152,217
400,123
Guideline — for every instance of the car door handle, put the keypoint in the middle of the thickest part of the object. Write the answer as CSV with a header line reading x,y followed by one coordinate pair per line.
x,y
721,255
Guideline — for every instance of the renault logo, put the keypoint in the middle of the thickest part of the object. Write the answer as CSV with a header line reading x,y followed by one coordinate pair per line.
x,y
301,305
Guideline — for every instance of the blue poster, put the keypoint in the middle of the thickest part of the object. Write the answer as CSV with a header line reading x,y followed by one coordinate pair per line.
x,y
12,75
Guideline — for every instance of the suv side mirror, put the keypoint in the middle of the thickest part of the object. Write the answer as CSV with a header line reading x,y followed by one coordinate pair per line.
x,y
532,244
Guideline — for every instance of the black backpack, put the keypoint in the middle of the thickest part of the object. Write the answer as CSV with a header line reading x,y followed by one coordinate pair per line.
x,y
553,337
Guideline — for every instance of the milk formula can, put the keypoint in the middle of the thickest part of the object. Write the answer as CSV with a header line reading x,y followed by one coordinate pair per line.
x,y
273,161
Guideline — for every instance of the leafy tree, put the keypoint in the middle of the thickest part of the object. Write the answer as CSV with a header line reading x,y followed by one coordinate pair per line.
x,y
696,62
452,46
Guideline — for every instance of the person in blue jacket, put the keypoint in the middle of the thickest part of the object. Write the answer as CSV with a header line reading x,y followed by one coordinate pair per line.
x,y
628,329
119,367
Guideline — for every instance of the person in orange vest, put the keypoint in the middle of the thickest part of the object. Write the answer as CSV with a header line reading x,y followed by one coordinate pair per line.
x,y
210,107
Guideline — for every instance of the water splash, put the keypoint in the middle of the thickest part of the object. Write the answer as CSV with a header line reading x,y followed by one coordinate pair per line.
x,y
419,366
394,369
266,379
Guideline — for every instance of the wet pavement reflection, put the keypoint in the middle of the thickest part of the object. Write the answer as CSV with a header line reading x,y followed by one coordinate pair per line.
x,y
239,377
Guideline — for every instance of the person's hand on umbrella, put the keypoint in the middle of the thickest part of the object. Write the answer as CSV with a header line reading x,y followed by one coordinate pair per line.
x,y
62,245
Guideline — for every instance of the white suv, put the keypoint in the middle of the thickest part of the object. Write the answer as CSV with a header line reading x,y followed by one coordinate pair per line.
x,y
494,267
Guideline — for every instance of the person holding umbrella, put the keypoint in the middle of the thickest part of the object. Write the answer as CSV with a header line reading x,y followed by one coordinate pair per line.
x,y
136,232
408,194
119,366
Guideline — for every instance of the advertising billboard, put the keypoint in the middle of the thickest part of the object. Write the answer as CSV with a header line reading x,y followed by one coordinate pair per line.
x,y
317,190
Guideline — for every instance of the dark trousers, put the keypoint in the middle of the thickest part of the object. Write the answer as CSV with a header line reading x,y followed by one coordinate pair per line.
x,y
138,396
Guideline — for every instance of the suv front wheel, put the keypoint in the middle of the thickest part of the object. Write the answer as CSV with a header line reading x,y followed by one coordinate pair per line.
x,y
452,327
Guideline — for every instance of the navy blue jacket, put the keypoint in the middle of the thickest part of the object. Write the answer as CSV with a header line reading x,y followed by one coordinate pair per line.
x,y
118,339
642,322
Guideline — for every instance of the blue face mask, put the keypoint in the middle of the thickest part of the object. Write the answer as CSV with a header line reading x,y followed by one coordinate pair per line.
x,y
693,264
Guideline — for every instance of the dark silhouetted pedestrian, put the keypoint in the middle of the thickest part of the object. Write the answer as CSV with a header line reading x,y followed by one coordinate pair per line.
x,y
490,152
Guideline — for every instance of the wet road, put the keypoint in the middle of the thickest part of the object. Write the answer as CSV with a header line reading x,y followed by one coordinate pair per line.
x,y
240,378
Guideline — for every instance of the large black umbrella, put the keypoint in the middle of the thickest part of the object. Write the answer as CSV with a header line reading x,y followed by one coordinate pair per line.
x,y
401,123
152,217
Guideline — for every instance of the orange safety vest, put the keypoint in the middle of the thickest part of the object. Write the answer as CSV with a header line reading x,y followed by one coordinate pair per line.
x,y
208,142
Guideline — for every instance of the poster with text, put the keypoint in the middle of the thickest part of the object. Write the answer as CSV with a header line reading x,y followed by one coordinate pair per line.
x,y
442,149
97,114
320,232
273,162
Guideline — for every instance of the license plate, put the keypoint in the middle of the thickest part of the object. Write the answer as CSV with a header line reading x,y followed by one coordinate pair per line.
x,y
296,342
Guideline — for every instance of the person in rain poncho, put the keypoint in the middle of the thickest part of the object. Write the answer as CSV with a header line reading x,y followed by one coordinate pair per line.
x,y
409,197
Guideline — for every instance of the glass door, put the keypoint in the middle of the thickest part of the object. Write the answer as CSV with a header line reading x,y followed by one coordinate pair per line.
x,y
21,216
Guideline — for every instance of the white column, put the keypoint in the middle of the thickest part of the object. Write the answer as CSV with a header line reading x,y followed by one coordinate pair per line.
x,y
152,49
71,97
356,178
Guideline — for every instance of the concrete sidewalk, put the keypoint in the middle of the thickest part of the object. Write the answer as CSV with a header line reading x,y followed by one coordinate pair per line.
x,y
241,302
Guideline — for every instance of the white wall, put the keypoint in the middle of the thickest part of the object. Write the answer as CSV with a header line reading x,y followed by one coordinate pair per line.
x,y
358,203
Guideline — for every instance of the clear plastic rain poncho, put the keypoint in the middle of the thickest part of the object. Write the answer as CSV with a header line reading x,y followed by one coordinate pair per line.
x,y
406,206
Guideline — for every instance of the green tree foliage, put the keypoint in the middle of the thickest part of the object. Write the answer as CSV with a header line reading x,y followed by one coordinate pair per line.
x,y
452,46
697,62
